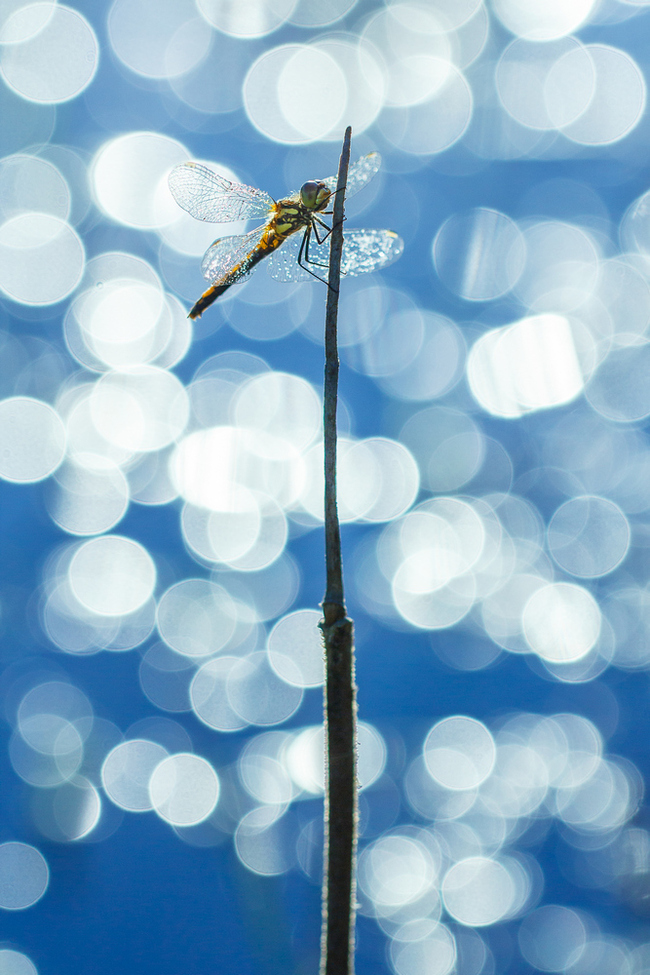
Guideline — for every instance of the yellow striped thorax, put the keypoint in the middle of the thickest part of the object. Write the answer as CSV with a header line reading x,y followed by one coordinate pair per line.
x,y
296,211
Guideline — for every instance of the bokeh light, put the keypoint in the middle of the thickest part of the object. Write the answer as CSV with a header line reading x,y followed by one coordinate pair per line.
x,y
513,369
127,772
295,648
555,20
479,255
618,99
129,177
478,891
561,622
588,536
16,963
459,753
42,258
49,53
32,439
24,876
552,938
161,44
253,18
184,789
112,575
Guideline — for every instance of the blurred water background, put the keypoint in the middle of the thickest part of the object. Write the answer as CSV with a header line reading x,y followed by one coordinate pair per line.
x,y
160,489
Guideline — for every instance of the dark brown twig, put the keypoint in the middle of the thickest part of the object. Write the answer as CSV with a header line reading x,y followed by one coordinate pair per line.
x,y
337,942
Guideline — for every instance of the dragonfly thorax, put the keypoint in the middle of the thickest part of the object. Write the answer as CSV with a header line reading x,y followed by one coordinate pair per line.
x,y
314,195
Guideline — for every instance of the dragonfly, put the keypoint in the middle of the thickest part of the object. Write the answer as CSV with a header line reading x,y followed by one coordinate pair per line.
x,y
292,224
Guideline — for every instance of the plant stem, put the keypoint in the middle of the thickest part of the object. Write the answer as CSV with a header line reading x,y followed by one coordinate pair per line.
x,y
337,940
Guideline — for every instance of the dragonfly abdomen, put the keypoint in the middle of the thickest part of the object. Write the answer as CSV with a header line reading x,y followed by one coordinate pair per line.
x,y
269,242
207,298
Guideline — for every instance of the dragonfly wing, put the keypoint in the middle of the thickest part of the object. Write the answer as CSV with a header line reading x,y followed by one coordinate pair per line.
x,y
360,173
369,250
207,196
227,253
363,251
283,263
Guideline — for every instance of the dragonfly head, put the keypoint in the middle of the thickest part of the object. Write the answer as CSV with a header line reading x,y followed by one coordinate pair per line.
x,y
314,195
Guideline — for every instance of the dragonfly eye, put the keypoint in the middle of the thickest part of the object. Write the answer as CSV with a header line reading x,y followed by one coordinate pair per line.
x,y
314,195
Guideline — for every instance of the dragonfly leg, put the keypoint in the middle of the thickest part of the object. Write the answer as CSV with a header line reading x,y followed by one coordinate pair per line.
x,y
304,250
321,240
305,246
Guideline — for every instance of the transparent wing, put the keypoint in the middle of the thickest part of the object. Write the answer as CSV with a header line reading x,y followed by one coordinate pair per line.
x,y
207,196
227,253
360,173
363,251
